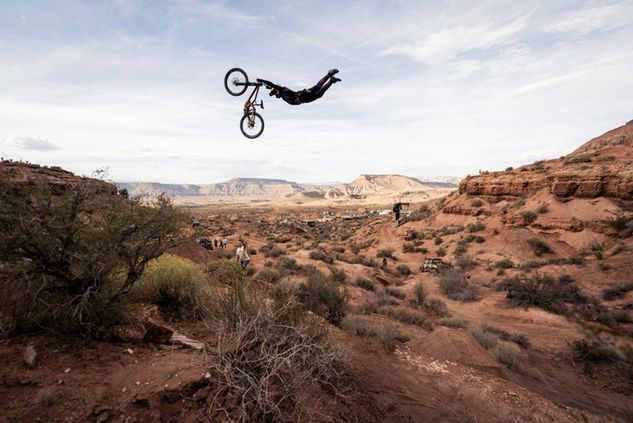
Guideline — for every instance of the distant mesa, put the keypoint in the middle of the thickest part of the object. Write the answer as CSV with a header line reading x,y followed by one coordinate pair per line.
x,y
365,187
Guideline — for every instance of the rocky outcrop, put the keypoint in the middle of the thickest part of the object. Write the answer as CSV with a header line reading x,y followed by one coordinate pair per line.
x,y
602,167
615,182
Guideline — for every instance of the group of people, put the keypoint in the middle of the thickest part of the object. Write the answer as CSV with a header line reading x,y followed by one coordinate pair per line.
x,y
222,243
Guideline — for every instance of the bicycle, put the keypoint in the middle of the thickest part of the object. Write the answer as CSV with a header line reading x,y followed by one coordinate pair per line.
x,y
236,83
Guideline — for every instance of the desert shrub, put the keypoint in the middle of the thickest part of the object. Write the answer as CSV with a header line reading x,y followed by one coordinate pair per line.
x,y
176,285
480,239
322,296
577,260
438,240
268,275
408,247
461,249
436,307
288,263
466,263
226,272
268,355
452,322
322,256
455,285
539,247
590,351
509,169
507,353
476,203
578,159
399,282
337,275
71,254
395,292
504,264
403,269
542,209
386,253
271,250
517,204
486,339
408,316
419,294
619,222
528,217
518,339
542,290
475,227
617,291
617,250
441,252
365,284
531,265
252,251
388,332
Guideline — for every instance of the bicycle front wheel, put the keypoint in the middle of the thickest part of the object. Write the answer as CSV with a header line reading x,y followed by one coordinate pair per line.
x,y
252,125
236,82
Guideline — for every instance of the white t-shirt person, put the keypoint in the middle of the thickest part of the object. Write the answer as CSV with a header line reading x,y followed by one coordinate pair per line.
x,y
242,255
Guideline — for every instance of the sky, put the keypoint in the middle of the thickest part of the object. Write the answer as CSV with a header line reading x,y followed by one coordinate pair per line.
x,y
428,88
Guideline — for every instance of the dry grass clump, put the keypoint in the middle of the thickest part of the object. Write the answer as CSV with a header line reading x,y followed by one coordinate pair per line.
x,y
388,332
409,317
475,227
268,275
177,285
452,322
227,272
528,217
386,253
456,286
504,346
269,354
395,292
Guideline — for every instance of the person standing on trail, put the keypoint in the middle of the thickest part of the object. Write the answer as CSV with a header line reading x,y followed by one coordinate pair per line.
x,y
307,95
215,242
242,255
225,242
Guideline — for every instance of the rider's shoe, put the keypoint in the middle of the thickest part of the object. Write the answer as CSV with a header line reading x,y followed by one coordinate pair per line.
x,y
335,80
332,72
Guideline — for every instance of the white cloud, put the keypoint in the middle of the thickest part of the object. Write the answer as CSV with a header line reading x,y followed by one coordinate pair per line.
x,y
594,18
33,143
448,43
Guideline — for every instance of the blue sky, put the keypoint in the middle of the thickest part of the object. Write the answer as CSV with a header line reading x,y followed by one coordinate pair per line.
x,y
429,88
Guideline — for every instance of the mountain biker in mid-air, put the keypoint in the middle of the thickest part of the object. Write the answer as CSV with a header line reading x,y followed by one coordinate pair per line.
x,y
307,95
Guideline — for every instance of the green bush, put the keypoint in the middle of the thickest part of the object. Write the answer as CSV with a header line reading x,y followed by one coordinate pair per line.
x,y
539,247
227,272
176,285
403,269
455,285
71,253
590,351
507,353
322,296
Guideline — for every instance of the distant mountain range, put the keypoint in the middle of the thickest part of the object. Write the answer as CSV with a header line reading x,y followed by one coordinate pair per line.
x,y
365,187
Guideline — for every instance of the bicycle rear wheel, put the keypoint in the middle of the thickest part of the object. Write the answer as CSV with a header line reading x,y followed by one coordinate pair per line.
x,y
252,128
235,82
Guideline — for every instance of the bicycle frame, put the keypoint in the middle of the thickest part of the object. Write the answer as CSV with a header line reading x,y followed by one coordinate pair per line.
x,y
250,104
